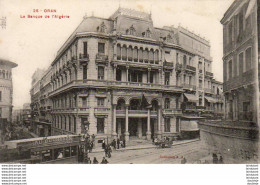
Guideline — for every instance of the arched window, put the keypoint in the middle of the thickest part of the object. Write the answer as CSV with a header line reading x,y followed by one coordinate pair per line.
x,y
145,54
151,55
156,56
140,54
130,53
135,54
118,52
124,52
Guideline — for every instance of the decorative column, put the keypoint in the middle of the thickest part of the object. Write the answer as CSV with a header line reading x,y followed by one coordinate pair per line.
x,y
126,123
159,132
149,74
139,128
127,68
148,133
115,72
114,122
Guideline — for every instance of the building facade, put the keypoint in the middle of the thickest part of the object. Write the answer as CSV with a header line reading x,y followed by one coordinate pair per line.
x,y
40,103
6,89
122,76
240,62
236,138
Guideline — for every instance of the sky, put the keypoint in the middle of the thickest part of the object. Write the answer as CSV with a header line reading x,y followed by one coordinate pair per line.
x,y
33,42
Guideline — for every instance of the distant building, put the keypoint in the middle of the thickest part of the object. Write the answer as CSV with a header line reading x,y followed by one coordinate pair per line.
x,y
237,137
17,116
26,115
40,103
6,89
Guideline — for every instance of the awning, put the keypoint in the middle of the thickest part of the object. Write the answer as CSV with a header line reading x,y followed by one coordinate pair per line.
x,y
210,99
189,126
191,97
192,117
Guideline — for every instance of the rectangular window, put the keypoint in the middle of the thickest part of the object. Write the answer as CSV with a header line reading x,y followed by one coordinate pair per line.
x,y
177,58
100,125
85,72
0,95
118,74
248,58
241,63
240,23
190,80
84,101
200,83
230,68
100,102
167,124
101,72
85,49
167,78
167,103
230,33
75,124
101,48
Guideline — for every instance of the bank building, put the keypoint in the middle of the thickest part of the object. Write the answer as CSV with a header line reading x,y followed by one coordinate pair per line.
x,y
121,76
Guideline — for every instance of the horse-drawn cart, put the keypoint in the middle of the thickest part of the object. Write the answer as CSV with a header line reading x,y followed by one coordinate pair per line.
x,y
163,143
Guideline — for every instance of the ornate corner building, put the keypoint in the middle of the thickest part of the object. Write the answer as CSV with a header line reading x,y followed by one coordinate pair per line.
x,y
122,76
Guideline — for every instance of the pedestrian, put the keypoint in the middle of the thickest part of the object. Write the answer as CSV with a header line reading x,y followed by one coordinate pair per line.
x,y
95,161
118,143
104,161
91,146
93,140
103,144
89,160
220,161
114,143
183,161
124,143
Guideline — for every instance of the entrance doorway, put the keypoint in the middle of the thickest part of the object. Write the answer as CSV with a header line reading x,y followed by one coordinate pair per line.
x,y
132,127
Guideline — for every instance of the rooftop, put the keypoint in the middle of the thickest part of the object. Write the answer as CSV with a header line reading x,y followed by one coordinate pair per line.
x,y
8,63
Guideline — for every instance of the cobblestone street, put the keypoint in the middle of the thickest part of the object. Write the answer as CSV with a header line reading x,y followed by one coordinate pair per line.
x,y
192,151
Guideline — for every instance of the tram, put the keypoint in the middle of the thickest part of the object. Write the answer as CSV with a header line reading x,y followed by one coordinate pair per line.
x,y
52,149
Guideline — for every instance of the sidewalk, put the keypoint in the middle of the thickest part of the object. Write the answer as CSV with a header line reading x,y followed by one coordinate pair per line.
x,y
146,146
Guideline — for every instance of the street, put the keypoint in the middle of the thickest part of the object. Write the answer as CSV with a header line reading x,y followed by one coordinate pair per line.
x,y
192,151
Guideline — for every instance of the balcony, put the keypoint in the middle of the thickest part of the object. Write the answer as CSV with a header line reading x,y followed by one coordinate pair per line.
x,y
83,58
101,111
101,58
189,87
172,112
116,84
245,116
209,91
209,74
137,113
168,65
246,78
190,68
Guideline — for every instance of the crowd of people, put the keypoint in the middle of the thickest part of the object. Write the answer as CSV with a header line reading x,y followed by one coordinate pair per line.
x,y
89,143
